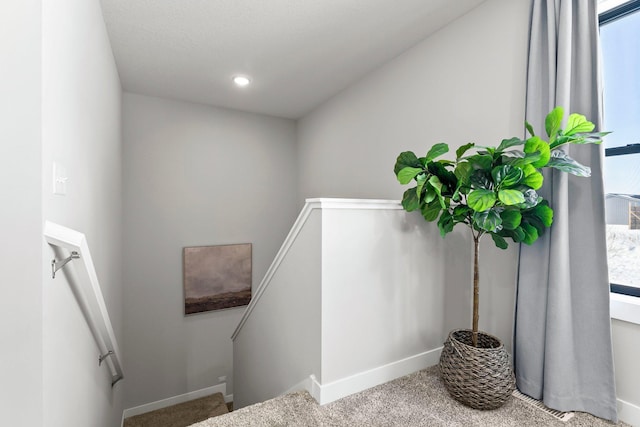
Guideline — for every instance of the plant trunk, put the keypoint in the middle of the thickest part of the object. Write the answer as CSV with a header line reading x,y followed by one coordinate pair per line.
x,y
476,291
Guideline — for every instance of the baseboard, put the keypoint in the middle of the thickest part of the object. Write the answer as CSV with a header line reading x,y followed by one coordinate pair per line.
x,y
326,393
228,398
148,407
629,413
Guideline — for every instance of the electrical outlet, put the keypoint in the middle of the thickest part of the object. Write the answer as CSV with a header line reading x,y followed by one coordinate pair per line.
x,y
222,379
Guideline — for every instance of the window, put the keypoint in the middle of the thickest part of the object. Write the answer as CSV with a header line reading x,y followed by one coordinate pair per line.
x,y
620,42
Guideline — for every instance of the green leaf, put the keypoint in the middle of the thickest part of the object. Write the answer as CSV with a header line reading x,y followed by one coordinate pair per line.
x,y
506,175
488,220
410,200
507,143
421,179
577,123
460,213
512,177
511,197
590,138
529,128
445,176
535,144
535,180
561,161
436,151
481,179
544,213
456,195
463,149
519,159
517,234
499,241
531,199
480,200
530,234
534,221
437,186
480,161
407,174
511,218
429,195
406,159
552,122
445,223
580,138
431,211
532,178
463,171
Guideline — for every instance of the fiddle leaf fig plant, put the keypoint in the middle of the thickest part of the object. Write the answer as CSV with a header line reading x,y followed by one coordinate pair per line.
x,y
493,190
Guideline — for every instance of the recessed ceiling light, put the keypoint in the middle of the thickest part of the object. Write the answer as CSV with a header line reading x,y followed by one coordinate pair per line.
x,y
241,80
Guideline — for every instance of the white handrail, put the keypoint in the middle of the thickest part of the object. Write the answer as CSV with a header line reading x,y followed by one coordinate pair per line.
x,y
89,295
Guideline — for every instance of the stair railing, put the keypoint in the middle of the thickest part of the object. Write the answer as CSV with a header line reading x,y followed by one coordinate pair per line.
x,y
88,293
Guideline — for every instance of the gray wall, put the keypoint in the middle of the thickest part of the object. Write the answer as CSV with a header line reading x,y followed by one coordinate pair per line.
x,y
81,98
464,83
61,101
194,176
21,260
280,343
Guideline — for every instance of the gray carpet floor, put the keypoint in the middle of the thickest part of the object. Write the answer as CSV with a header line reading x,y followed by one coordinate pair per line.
x,y
415,400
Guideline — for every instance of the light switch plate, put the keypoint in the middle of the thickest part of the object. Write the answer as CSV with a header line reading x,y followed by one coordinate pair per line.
x,y
59,179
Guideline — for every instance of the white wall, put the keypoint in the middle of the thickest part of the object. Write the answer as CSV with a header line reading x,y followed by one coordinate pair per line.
x,y
194,176
464,83
21,260
383,293
279,345
358,299
626,353
81,97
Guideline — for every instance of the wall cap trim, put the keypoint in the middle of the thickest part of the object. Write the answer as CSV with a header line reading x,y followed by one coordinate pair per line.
x,y
333,203
309,206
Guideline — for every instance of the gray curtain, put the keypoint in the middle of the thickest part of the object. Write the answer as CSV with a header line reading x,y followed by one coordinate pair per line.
x,y
562,344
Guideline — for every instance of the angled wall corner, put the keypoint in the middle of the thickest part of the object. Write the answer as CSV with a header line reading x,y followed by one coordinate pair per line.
x,y
354,298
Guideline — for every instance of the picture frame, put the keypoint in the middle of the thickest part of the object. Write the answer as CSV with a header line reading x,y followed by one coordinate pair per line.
x,y
216,277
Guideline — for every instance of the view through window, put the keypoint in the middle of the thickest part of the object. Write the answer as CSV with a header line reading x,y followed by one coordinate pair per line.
x,y
620,43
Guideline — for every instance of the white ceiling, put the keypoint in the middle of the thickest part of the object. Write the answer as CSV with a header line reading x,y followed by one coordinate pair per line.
x,y
299,53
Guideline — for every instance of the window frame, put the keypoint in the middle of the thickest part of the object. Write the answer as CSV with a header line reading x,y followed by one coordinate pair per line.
x,y
634,148
618,12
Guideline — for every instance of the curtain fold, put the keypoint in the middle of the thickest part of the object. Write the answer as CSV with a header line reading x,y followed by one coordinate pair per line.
x,y
562,344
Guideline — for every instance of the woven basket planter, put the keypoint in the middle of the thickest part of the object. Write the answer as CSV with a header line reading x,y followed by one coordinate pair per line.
x,y
480,377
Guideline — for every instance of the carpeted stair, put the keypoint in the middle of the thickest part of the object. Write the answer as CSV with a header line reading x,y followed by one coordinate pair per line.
x,y
182,414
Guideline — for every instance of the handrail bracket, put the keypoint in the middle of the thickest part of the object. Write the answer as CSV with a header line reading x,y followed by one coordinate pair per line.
x,y
55,266
104,356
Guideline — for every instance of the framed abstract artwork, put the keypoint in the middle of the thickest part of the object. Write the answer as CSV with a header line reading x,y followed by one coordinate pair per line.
x,y
216,277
